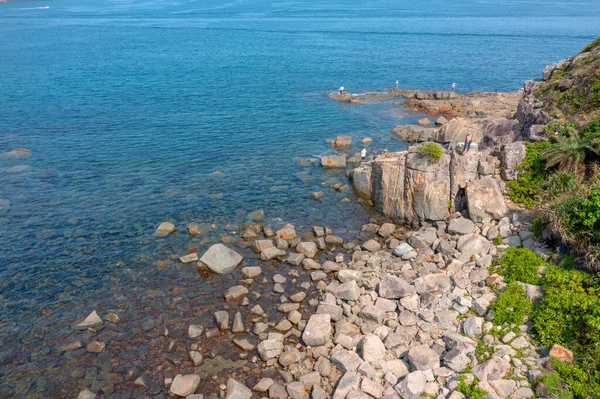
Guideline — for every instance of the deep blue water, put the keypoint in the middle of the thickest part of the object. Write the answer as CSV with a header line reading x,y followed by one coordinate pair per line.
x,y
128,106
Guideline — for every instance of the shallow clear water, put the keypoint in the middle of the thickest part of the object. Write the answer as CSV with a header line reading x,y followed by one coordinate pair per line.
x,y
128,106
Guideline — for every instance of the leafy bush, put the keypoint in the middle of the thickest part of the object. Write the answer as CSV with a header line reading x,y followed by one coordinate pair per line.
x,y
432,151
470,391
565,129
497,240
565,313
568,153
569,381
525,189
511,305
519,264
579,216
536,227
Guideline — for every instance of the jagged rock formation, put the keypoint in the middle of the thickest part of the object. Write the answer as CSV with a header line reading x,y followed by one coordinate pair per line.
x,y
569,89
409,188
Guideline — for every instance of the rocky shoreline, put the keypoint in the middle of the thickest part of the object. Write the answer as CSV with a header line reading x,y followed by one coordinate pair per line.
x,y
391,313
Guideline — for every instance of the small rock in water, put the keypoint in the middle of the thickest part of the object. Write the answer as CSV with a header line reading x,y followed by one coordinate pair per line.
x,y
222,319
197,358
424,122
316,195
164,229
366,140
287,232
16,153
86,395
184,385
189,258
237,390
251,271
220,259
93,320
218,174
194,229
96,347
235,293
257,215
113,318
194,331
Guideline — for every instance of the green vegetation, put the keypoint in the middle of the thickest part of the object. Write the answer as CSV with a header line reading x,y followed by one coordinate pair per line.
x,y
524,190
568,314
536,227
519,264
591,46
470,390
569,381
570,308
562,175
432,151
497,240
511,305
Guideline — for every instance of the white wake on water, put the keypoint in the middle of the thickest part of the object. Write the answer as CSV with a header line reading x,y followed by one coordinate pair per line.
x,y
30,8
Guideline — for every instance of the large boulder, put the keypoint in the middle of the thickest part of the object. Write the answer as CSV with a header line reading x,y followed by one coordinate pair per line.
x,y
318,330
463,169
333,161
426,188
412,386
485,200
237,390
387,185
371,349
220,259
492,369
461,226
422,357
413,133
422,238
392,287
511,156
361,181
473,244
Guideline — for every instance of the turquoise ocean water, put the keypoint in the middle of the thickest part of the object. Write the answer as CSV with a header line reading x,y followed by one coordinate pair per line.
x,y
127,107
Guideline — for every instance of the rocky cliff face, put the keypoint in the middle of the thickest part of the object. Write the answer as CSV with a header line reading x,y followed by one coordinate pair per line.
x,y
569,89
409,188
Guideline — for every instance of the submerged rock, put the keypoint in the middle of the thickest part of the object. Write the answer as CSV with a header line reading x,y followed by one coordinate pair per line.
x,y
164,229
220,259
93,320
16,153
333,161
184,385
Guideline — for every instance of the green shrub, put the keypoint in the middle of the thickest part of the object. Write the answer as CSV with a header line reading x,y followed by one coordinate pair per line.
x,y
591,46
525,189
565,129
511,305
566,313
432,151
579,216
569,381
519,264
537,227
470,391
558,184
497,240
